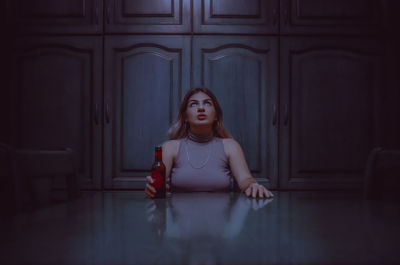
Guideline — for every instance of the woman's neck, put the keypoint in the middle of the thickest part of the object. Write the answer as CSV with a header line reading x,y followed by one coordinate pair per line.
x,y
201,138
201,129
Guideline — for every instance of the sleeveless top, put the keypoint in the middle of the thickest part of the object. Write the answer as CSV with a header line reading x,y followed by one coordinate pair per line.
x,y
201,167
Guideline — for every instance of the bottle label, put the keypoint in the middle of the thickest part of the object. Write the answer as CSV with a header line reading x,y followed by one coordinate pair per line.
x,y
158,179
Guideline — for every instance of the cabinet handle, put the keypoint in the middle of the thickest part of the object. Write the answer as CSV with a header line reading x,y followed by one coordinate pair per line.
x,y
274,17
96,114
286,16
286,115
275,117
108,113
96,15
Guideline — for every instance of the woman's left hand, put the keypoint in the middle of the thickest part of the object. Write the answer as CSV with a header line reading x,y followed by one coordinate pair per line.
x,y
257,190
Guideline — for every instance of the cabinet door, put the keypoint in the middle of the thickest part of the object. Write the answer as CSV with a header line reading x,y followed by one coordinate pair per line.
x,y
242,72
147,16
146,77
329,110
57,99
236,16
61,16
330,16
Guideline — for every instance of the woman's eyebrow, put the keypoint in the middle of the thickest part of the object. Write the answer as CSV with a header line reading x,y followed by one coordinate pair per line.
x,y
204,100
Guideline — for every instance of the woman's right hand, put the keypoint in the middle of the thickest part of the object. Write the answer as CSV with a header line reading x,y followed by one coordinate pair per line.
x,y
150,190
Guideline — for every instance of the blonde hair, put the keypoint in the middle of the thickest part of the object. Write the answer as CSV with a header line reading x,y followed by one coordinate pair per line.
x,y
179,129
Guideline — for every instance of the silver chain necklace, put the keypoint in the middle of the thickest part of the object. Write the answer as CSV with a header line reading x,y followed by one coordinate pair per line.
x,y
188,158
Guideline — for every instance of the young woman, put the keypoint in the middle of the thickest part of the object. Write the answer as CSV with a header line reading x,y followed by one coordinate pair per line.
x,y
201,155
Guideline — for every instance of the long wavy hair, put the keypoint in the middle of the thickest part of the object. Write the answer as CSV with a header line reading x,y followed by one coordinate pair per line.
x,y
179,129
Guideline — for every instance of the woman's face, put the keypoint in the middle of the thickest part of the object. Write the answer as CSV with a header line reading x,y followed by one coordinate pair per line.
x,y
200,111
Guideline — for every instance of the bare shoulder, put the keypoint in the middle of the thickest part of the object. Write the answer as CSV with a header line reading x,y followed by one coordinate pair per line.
x,y
171,147
231,146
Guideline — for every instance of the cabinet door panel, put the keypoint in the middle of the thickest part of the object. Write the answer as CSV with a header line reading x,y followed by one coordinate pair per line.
x,y
242,74
148,16
146,78
236,16
57,95
330,111
62,16
330,16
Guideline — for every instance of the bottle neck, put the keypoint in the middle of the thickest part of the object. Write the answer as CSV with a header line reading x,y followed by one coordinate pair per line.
x,y
158,156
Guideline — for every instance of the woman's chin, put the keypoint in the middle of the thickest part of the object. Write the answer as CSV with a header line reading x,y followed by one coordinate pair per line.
x,y
201,125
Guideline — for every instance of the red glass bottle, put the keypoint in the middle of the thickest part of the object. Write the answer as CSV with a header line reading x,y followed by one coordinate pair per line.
x,y
158,174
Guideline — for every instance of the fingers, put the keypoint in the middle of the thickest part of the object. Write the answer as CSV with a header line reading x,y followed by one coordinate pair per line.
x,y
256,190
149,179
261,191
252,190
265,193
248,191
150,190
149,193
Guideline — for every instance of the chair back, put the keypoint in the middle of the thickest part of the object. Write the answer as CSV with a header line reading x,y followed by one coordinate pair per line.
x,y
46,163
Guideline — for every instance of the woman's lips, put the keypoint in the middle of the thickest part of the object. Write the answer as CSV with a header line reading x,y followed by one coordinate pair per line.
x,y
201,116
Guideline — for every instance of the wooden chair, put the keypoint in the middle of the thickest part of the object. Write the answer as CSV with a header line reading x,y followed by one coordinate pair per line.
x,y
382,173
28,165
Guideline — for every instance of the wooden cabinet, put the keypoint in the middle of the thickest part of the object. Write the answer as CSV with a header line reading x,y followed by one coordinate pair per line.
x,y
236,16
316,97
330,109
56,99
243,75
146,78
55,17
147,16
330,16
200,16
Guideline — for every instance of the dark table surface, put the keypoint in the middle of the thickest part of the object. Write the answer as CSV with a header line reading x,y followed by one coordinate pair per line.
x,y
206,228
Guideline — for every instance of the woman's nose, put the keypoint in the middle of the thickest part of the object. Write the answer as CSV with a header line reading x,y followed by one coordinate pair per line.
x,y
200,108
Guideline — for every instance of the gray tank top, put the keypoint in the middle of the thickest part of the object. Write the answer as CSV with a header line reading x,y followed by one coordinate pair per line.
x,y
201,167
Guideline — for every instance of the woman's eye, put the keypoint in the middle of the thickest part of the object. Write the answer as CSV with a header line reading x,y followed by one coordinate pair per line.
x,y
208,103
193,104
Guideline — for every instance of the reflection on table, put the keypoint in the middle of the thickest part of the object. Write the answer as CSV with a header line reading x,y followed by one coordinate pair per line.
x,y
193,228
302,227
